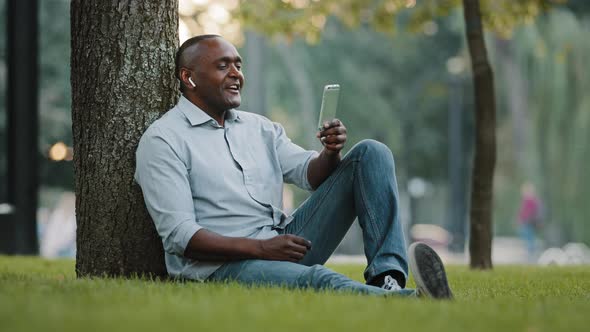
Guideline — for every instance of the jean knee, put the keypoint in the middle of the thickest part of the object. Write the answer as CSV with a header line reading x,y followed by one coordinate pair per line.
x,y
373,151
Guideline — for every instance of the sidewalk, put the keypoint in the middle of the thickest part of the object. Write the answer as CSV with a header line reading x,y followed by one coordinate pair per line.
x,y
505,251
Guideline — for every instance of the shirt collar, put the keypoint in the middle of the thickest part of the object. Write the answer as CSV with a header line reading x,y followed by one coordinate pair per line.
x,y
197,116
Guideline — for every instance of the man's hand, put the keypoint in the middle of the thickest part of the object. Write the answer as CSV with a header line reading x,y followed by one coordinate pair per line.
x,y
285,247
332,136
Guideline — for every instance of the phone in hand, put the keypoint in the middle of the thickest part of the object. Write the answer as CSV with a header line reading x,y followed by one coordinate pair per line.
x,y
329,104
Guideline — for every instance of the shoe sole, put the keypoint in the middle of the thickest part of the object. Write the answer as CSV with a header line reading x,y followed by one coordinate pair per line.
x,y
429,273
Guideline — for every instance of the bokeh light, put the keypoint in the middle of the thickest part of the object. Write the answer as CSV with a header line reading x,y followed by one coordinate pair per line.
x,y
206,17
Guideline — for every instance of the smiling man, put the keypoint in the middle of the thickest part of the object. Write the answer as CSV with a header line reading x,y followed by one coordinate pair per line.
x,y
212,179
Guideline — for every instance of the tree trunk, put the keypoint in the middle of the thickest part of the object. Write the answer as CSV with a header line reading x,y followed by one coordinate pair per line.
x,y
122,75
480,241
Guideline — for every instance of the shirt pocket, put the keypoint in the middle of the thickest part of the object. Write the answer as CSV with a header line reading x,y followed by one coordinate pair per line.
x,y
262,174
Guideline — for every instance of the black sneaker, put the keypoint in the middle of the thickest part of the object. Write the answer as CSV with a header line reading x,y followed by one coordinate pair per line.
x,y
429,272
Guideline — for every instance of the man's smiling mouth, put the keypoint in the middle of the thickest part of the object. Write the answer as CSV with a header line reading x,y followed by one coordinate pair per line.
x,y
234,87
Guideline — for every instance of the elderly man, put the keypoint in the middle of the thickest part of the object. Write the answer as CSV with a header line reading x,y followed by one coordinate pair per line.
x,y
212,178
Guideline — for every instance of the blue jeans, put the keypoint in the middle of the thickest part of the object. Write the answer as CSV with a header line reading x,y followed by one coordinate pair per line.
x,y
527,233
363,186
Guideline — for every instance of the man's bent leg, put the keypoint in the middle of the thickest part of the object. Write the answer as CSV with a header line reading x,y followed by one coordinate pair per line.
x,y
363,185
292,275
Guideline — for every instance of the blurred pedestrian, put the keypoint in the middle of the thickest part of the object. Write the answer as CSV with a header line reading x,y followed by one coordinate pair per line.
x,y
529,218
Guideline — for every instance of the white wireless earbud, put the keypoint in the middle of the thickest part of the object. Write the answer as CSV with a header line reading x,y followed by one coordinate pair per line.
x,y
191,80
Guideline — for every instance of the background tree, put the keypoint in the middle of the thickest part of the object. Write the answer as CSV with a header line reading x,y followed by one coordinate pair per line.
x,y
484,161
122,66
552,56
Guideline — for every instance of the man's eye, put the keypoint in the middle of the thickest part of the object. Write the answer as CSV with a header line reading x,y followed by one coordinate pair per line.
x,y
222,66
239,67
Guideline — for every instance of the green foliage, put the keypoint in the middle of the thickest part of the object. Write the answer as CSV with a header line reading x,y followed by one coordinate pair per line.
x,y
393,90
549,59
552,55
37,294
386,85
502,16
293,17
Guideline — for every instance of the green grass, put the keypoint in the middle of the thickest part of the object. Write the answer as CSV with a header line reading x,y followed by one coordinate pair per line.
x,y
42,295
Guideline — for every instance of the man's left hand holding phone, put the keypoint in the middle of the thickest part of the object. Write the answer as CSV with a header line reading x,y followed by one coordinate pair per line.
x,y
332,136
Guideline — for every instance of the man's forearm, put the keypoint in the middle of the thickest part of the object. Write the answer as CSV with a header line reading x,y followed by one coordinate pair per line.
x,y
210,246
321,167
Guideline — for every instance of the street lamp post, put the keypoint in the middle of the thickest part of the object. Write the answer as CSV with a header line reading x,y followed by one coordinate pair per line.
x,y
20,222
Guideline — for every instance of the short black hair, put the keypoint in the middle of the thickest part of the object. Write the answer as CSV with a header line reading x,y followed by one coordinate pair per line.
x,y
188,43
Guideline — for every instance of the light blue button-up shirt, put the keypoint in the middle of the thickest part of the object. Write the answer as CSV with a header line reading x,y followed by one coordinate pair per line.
x,y
197,174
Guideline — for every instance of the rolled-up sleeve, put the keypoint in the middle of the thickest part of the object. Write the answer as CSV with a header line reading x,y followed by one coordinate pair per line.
x,y
294,159
164,181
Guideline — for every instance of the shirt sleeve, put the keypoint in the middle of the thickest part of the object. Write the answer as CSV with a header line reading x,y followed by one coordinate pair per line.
x,y
164,181
294,159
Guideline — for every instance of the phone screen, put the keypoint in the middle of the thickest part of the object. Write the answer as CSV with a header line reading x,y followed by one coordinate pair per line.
x,y
329,104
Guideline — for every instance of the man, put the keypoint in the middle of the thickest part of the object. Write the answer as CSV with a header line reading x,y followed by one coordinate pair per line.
x,y
212,179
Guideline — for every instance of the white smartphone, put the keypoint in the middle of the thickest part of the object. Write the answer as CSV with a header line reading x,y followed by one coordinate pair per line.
x,y
329,104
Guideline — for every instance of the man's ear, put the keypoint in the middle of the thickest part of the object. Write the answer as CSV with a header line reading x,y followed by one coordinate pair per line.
x,y
185,78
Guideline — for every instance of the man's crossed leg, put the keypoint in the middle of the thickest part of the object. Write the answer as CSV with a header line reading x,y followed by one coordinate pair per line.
x,y
364,187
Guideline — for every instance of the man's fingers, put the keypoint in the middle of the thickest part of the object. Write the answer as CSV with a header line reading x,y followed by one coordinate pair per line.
x,y
331,123
299,248
333,131
335,122
335,139
332,138
296,255
301,241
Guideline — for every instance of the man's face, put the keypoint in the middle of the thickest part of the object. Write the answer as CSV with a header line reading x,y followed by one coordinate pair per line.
x,y
218,75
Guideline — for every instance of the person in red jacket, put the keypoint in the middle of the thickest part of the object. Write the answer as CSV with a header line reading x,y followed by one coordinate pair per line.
x,y
529,218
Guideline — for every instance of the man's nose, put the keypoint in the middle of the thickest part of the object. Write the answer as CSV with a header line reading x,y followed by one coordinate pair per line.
x,y
235,72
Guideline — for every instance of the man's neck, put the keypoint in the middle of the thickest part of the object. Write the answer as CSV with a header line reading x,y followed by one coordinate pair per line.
x,y
218,116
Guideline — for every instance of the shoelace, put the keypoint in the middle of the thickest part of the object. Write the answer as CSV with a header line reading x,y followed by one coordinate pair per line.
x,y
390,284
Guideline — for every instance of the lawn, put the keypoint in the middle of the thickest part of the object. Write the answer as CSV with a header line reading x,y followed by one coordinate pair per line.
x,y
42,295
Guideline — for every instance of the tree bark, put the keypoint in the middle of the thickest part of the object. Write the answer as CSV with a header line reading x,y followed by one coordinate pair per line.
x,y
480,241
122,76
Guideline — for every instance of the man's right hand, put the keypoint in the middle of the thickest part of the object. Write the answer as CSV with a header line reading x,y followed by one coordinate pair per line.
x,y
286,247
210,246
